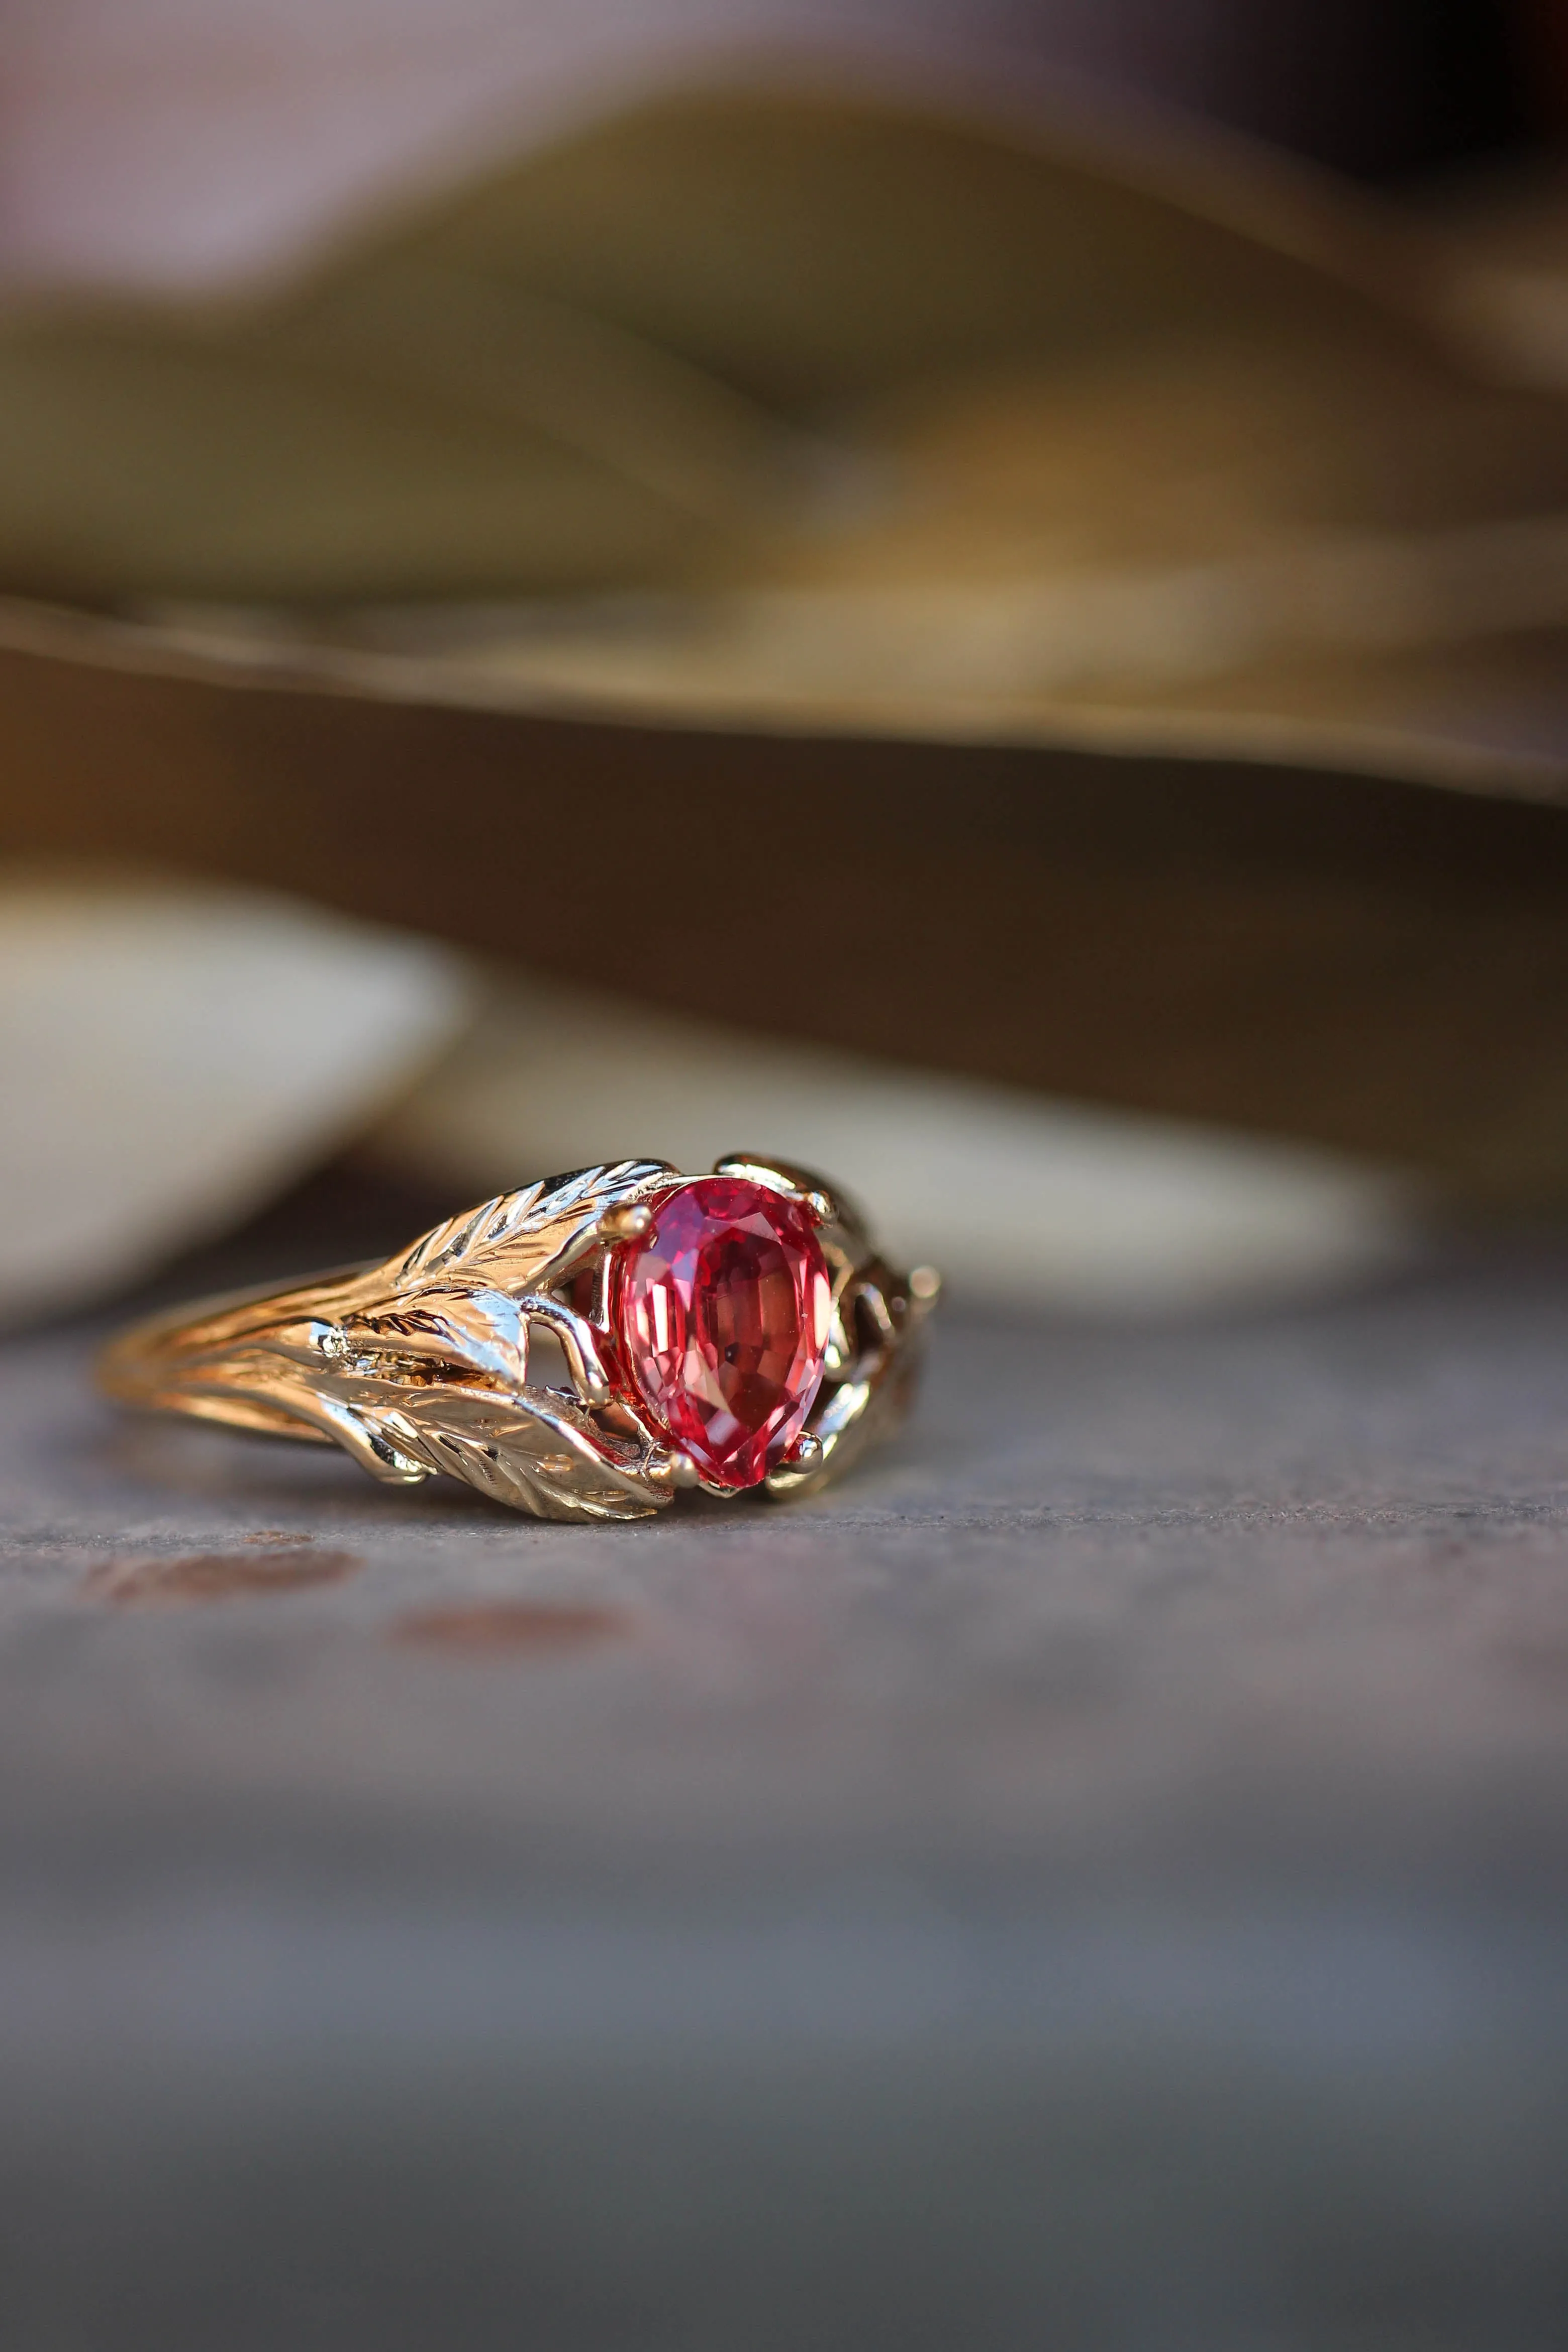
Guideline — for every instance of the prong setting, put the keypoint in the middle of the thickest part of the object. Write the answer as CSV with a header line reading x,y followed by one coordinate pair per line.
x,y
676,1469
420,1364
628,1223
780,1176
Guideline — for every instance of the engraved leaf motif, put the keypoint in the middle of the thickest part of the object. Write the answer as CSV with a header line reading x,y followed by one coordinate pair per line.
x,y
536,1450
480,1330
418,1366
520,1241
462,1297
426,1368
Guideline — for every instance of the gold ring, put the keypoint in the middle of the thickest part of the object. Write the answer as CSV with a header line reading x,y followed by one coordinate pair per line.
x,y
731,1332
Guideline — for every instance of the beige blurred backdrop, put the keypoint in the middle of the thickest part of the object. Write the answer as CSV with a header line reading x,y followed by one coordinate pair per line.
x,y
484,490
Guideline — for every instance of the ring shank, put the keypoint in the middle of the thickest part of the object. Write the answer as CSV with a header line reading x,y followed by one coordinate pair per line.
x,y
185,1358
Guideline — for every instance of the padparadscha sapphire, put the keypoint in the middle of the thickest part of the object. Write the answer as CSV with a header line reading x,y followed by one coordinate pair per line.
x,y
721,1312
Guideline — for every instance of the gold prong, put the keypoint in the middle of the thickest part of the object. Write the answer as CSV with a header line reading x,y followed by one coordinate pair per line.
x,y
780,1176
626,1223
675,1469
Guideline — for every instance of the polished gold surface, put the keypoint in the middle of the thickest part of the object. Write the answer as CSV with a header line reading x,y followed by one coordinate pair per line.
x,y
421,1364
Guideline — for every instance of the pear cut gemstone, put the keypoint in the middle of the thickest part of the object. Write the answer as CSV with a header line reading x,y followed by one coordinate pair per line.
x,y
721,1311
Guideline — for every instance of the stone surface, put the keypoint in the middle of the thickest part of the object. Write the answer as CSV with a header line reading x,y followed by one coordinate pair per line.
x,y
721,1311
1097,1878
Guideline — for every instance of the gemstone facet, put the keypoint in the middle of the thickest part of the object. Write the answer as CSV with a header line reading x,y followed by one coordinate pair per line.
x,y
721,1311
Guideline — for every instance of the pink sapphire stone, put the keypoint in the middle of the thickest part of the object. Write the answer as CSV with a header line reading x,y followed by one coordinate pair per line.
x,y
722,1312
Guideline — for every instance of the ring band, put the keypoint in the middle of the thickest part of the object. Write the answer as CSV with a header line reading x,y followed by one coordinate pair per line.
x,y
731,1332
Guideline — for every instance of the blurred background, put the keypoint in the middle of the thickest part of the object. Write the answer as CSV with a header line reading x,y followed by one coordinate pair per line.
x,y
975,596
964,533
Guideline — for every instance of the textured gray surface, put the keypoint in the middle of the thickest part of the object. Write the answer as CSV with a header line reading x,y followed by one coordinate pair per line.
x,y
1100,1879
